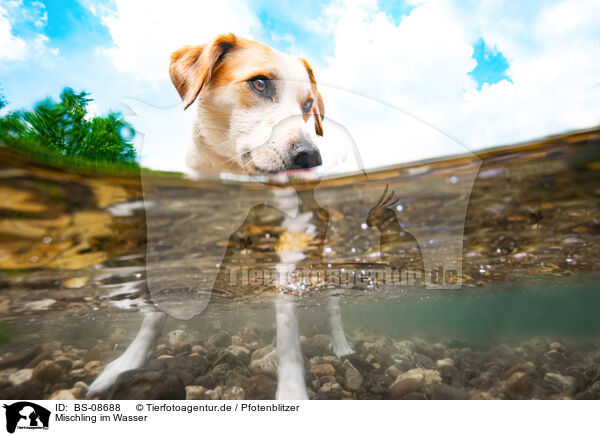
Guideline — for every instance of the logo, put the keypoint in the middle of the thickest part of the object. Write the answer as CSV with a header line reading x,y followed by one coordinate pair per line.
x,y
26,415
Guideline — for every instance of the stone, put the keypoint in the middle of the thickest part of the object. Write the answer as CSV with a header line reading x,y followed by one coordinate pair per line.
x,y
20,359
405,348
208,381
249,334
415,396
199,349
193,392
242,353
266,365
182,348
65,361
404,387
259,387
148,385
317,345
175,336
234,393
444,362
526,367
517,386
63,394
558,383
378,383
323,369
353,380
20,377
557,346
187,367
441,391
331,389
215,394
392,371
39,305
424,361
47,372
426,376
44,355
79,388
221,339
537,345
93,367
261,352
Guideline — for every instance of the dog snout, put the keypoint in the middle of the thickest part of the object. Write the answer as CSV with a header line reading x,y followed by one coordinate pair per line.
x,y
305,155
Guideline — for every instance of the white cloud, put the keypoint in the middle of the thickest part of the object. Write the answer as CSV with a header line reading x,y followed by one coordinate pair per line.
x,y
146,33
11,47
422,65
36,46
419,66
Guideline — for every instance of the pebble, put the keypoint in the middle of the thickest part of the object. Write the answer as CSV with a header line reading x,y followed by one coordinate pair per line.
x,y
47,372
558,383
175,336
427,377
220,339
94,367
234,393
444,362
63,394
240,352
353,380
322,369
195,392
265,365
518,385
215,394
392,371
404,387
441,391
21,376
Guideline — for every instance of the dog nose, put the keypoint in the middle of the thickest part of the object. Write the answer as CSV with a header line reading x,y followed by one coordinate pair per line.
x,y
305,155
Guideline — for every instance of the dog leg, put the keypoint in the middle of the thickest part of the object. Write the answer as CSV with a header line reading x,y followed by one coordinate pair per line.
x,y
135,356
339,344
290,366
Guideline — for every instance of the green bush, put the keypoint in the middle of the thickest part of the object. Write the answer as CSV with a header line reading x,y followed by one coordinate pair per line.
x,y
64,128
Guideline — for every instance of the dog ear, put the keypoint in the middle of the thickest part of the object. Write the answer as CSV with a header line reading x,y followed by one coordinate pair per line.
x,y
318,109
319,113
192,66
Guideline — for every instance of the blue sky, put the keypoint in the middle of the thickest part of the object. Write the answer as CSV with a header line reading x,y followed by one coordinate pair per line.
x,y
457,64
77,33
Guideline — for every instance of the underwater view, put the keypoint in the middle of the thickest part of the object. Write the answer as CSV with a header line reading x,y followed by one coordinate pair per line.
x,y
470,277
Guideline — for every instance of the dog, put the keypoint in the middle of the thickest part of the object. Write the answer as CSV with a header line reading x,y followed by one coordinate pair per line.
x,y
257,112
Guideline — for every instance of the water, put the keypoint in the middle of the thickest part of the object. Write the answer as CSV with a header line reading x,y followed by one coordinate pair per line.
x,y
512,238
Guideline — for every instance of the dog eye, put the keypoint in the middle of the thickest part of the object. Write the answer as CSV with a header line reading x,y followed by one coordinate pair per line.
x,y
307,105
262,86
259,84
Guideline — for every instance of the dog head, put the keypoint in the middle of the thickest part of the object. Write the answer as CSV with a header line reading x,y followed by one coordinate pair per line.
x,y
258,110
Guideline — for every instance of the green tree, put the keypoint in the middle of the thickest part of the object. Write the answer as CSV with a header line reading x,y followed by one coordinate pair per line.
x,y
64,127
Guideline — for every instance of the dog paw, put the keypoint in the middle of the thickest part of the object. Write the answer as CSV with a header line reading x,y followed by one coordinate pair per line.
x,y
291,392
108,377
341,349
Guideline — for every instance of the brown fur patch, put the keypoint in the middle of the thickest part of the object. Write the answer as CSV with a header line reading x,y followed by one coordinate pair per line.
x,y
318,109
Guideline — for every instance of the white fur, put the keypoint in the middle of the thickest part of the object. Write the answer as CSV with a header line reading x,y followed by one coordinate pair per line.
x,y
135,356
265,130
